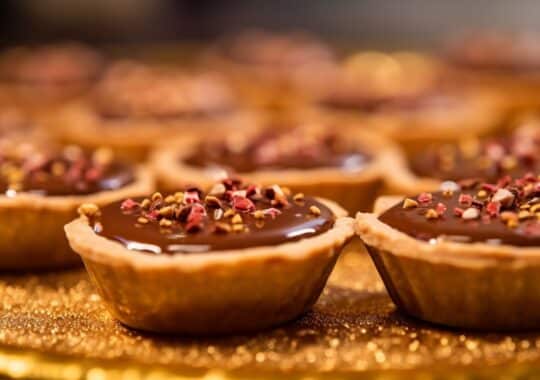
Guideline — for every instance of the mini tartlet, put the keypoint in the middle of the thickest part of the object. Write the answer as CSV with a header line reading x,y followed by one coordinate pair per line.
x,y
37,78
514,152
42,187
505,63
344,164
272,70
136,106
238,258
407,97
467,257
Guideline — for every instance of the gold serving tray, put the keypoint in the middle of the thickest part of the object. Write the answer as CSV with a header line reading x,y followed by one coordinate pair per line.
x,y
53,325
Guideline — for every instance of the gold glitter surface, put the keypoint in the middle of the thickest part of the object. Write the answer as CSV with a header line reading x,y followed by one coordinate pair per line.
x,y
56,322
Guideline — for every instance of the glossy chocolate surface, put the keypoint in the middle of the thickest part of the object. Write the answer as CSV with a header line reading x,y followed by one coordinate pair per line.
x,y
498,53
62,173
399,102
215,229
61,64
453,224
291,149
488,159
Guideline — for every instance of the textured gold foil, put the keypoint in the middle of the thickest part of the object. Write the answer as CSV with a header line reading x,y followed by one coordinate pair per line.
x,y
53,325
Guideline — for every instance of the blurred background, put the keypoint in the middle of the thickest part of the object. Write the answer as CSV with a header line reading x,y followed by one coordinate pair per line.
x,y
419,24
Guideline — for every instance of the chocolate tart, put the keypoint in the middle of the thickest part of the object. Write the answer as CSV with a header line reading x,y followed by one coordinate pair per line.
x,y
42,188
507,64
136,106
40,77
272,70
314,159
514,153
239,258
406,97
468,258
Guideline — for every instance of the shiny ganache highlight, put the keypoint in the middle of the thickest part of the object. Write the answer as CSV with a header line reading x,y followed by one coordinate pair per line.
x,y
505,212
515,154
61,171
295,148
232,215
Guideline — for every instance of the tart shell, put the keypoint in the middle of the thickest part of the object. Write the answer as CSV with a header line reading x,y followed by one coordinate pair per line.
x,y
354,190
133,139
518,92
32,235
477,286
481,114
219,292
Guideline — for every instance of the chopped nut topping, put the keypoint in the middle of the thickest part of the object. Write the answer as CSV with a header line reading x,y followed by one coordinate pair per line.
x,y
299,197
88,209
410,203
237,209
156,197
165,223
471,213
237,219
142,220
431,214
315,210
503,196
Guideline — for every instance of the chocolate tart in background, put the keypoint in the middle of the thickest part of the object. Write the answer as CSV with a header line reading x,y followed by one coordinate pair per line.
x,y
40,77
136,106
344,164
272,70
238,258
505,63
407,97
512,153
42,186
467,258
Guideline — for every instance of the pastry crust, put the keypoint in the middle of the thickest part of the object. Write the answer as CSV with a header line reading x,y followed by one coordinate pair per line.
x,y
474,285
78,123
354,190
517,92
219,292
479,113
270,87
31,236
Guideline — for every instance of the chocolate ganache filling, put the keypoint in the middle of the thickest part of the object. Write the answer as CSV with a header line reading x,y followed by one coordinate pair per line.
x,y
231,215
57,65
498,53
62,172
132,90
292,149
378,103
489,159
506,212
285,51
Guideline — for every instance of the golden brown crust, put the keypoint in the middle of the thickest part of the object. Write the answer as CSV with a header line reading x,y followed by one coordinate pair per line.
x,y
517,92
353,190
32,237
78,123
480,114
211,293
272,88
472,285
